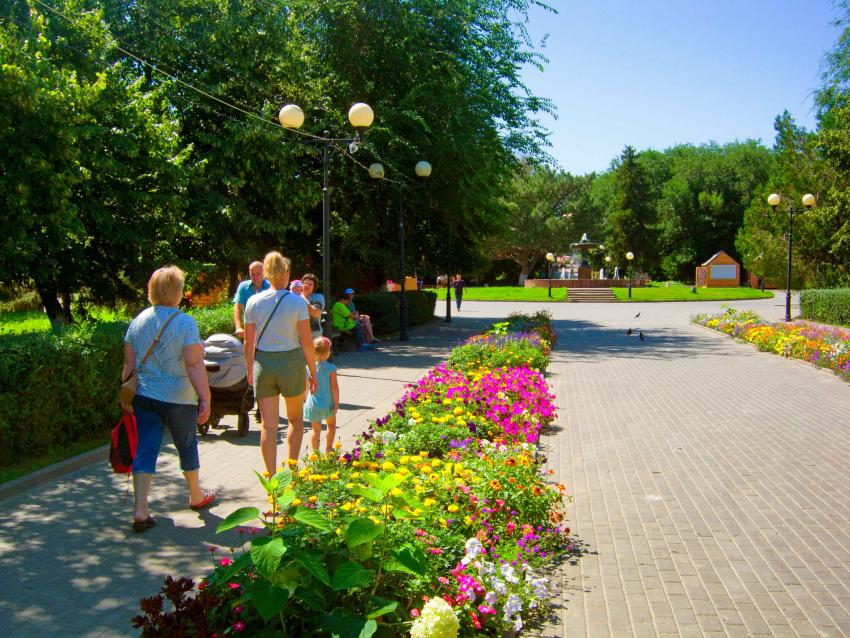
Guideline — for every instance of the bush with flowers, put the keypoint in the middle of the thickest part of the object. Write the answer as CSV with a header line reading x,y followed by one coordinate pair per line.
x,y
824,346
438,523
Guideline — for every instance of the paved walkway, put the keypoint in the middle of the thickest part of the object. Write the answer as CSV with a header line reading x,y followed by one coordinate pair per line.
x,y
711,488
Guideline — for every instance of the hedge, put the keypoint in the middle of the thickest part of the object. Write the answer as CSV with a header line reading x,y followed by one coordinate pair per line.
x,y
58,388
383,309
827,306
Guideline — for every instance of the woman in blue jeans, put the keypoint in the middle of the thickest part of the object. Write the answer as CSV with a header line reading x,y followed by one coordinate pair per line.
x,y
173,391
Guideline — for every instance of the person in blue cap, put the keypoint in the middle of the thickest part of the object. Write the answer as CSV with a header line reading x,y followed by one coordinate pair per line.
x,y
365,320
344,320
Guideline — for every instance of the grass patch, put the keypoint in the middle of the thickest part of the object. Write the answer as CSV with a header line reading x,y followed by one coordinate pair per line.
x,y
506,293
53,456
683,293
20,322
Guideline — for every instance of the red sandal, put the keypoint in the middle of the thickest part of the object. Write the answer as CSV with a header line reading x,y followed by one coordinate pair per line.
x,y
210,497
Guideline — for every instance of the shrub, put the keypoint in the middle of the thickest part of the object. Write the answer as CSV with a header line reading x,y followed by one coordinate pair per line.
x,y
27,302
383,308
826,306
58,388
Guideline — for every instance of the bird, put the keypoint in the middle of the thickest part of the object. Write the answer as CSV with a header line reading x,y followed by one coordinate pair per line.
x,y
629,333
640,334
637,315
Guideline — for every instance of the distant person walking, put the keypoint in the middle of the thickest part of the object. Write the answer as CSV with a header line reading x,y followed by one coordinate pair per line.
x,y
459,284
278,346
322,405
246,290
315,302
172,392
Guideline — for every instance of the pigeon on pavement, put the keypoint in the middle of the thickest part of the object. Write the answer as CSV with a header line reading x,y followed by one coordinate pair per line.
x,y
640,334
637,315
629,333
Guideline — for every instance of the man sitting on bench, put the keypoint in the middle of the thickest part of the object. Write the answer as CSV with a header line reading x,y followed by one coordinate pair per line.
x,y
345,322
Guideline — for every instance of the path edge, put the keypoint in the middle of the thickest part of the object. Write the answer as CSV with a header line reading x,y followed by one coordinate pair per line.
x,y
52,472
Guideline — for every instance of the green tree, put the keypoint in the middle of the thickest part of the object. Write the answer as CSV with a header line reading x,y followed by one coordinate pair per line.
x,y
92,165
632,218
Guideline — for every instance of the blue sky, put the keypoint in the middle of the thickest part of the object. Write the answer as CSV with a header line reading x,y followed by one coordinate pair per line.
x,y
654,73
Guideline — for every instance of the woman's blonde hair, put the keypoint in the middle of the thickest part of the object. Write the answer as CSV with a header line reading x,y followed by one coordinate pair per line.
x,y
322,346
275,265
165,287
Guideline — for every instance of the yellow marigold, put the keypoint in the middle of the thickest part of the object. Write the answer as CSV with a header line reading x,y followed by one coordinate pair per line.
x,y
427,469
417,512
297,501
435,419
467,520
415,414
417,481
373,474
313,457
458,411
453,508
419,489
404,460
291,462
404,471
420,420
443,522
423,454
428,502
313,499
447,401
415,459
387,466
335,476
434,478
436,463
348,486
355,464
355,475
348,507
396,491
386,509
337,445
461,422
266,475
361,510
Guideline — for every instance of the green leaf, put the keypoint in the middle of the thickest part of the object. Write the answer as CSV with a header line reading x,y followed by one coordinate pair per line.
x,y
345,624
362,531
313,566
412,558
283,478
312,517
286,500
373,494
382,610
400,513
395,566
310,597
239,517
264,482
268,599
267,553
414,502
351,574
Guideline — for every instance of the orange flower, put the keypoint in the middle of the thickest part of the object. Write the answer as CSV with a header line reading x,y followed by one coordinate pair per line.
x,y
495,485
512,480
537,491
510,462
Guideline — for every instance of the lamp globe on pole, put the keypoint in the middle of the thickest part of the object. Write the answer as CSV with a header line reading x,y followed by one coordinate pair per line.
x,y
774,200
291,116
550,258
808,200
361,117
376,171
630,256
423,169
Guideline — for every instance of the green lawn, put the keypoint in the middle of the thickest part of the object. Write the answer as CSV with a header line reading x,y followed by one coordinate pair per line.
x,y
506,293
683,293
18,322
11,472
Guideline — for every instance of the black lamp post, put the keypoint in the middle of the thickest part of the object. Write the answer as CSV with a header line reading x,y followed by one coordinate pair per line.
x,y
550,258
449,278
630,256
808,202
361,116
423,170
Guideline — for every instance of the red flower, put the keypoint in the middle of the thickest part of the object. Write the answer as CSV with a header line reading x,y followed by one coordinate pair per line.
x,y
224,562
414,612
239,625
475,620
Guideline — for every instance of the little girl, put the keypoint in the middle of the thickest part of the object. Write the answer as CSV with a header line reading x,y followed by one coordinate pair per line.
x,y
323,405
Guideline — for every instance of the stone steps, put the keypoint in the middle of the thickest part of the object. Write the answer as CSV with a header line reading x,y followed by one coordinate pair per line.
x,y
591,295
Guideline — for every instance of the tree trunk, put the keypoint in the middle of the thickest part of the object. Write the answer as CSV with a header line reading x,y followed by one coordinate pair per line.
x,y
47,291
232,280
527,264
66,307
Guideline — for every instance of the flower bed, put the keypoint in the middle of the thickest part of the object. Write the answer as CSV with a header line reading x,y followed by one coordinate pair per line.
x,y
823,346
437,523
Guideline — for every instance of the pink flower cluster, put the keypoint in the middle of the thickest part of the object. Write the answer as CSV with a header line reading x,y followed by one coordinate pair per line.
x,y
509,397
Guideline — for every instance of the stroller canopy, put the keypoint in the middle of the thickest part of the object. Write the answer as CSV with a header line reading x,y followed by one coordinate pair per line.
x,y
227,352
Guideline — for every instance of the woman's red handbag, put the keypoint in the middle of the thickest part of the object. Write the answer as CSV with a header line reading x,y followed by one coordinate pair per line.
x,y
125,439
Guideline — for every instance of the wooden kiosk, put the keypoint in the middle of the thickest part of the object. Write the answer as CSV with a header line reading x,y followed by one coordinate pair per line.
x,y
721,271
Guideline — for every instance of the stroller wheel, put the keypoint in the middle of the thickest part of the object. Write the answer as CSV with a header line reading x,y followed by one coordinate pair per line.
x,y
203,428
243,424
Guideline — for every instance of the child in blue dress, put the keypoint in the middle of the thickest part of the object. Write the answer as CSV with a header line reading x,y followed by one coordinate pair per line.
x,y
324,403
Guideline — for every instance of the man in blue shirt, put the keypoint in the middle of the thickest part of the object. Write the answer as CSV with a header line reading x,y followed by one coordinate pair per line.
x,y
245,291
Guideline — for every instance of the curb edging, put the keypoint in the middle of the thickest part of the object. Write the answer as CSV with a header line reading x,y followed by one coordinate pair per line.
x,y
51,472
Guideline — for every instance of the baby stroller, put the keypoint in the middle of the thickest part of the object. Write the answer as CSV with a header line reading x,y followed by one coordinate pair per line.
x,y
224,359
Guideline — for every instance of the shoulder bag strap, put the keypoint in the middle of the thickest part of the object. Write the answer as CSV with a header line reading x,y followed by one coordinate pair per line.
x,y
266,325
158,337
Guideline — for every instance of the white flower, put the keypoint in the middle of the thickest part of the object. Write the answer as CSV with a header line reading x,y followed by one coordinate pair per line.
x,y
499,586
532,604
539,587
518,623
509,573
438,620
411,422
486,569
513,606
491,598
473,548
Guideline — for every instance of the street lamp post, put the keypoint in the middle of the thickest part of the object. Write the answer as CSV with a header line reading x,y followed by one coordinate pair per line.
x,y
630,256
448,278
423,170
550,258
361,117
808,202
